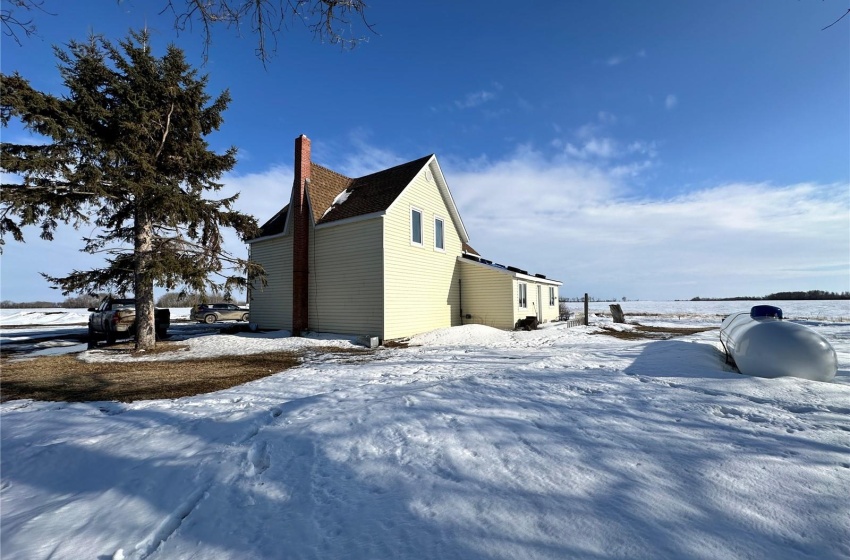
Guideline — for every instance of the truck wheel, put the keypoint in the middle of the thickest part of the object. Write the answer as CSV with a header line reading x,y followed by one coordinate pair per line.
x,y
209,319
161,334
110,337
92,338
245,317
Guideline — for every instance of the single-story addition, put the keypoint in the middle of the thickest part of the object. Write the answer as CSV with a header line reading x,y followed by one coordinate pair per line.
x,y
385,255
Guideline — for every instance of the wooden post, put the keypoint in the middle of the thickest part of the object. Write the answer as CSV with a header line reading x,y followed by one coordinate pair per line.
x,y
586,313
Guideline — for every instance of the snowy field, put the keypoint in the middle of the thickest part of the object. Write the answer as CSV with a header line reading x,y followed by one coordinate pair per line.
x,y
473,443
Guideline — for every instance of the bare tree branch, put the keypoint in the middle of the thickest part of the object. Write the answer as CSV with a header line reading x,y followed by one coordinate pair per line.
x,y
329,20
11,23
836,21
165,132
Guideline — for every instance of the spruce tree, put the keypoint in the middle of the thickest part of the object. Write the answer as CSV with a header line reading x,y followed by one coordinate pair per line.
x,y
126,151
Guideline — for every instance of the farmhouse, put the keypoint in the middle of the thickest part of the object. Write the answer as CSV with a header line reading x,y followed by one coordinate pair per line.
x,y
385,255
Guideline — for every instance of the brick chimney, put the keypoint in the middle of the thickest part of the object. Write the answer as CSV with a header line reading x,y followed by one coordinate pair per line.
x,y
301,236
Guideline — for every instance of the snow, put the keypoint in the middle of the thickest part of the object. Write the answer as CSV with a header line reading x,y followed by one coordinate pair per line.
x,y
472,443
57,316
340,198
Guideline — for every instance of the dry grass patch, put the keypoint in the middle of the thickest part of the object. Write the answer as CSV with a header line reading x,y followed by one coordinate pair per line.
x,y
65,378
643,332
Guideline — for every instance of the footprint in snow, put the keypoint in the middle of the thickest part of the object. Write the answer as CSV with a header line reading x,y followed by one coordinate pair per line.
x,y
258,458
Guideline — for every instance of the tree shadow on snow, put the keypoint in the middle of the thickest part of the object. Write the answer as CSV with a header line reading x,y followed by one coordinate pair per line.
x,y
571,466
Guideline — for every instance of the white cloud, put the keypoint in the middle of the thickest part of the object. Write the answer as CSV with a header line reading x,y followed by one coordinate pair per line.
x,y
618,59
595,147
671,101
585,225
605,117
582,221
524,104
474,99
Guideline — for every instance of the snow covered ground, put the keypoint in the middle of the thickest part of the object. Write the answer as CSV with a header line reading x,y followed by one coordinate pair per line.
x,y
471,444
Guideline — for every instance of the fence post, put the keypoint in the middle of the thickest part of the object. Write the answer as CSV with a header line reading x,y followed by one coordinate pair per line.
x,y
586,307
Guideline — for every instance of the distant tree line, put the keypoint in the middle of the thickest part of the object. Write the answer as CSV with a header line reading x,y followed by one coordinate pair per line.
x,y
178,299
8,304
785,296
171,299
591,298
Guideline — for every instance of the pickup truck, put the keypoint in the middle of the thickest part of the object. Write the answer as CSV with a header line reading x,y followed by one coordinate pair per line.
x,y
117,317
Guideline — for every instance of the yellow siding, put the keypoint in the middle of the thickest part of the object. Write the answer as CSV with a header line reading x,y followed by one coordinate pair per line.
x,y
487,296
271,306
346,281
420,283
550,312
533,305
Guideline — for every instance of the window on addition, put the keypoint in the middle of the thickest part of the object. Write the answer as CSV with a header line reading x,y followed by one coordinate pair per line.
x,y
523,293
551,296
415,226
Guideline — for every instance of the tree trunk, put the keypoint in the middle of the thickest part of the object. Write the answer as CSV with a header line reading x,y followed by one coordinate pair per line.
x,y
143,283
617,313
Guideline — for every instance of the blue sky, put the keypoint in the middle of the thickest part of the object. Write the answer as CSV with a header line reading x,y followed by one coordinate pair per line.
x,y
648,150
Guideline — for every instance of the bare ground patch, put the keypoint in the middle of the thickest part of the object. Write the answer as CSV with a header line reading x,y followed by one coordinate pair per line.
x,y
65,378
643,332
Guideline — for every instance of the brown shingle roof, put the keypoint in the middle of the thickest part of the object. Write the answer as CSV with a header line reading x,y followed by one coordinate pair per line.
x,y
369,194
324,187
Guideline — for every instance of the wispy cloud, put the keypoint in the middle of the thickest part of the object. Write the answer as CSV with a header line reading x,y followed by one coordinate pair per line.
x,y
478,98
671,101
618,59
594,147
602,236
593,140
524,104
588,223
474,99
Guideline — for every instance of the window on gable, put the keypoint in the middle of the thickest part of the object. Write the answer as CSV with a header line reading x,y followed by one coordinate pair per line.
x,y
416,226
439,240
523,295
551,296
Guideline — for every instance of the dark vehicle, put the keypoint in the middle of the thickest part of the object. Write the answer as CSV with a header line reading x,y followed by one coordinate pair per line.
x,y
212,312
115,318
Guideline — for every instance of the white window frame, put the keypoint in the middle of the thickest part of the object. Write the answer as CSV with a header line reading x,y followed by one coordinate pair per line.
x,y
522,289
442,230
552,297
414,210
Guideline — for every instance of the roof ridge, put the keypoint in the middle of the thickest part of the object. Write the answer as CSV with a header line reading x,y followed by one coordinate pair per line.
x,y
395,167
329,170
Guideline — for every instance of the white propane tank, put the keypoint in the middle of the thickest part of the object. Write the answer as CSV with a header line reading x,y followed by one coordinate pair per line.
x,y
762,344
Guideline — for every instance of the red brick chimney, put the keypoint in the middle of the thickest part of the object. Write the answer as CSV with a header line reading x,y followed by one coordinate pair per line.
x,y
301,236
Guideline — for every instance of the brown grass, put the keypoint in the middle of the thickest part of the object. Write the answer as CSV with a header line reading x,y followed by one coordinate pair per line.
x,y
643,332
65,378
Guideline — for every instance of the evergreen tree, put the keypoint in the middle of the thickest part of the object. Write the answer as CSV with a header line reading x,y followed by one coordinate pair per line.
x,y
127,152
